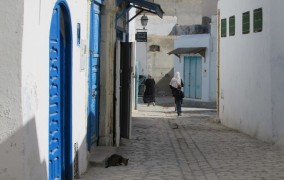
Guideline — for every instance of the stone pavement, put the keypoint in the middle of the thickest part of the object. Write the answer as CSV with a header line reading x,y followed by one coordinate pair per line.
x,y
190,147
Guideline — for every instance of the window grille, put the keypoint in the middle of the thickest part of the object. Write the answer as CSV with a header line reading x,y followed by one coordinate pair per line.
x,y
257,20
246,22
223,27
232,26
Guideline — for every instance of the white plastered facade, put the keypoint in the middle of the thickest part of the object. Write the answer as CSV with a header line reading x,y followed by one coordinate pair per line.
x,y
251,71
208,74
24,96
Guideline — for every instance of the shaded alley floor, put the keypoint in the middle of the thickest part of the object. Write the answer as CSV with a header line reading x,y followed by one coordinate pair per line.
x,y
193,146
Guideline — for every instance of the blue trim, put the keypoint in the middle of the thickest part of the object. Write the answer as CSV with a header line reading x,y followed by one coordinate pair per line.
x,y
119,35
99,1
93,114
118,2
66,169
54,121
137,73
127,37
68,134
89,76
78,34
123,12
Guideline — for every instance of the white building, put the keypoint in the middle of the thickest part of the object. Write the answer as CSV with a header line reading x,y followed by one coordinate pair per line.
x,y
196,61
57,78
180,18
29,36
251,67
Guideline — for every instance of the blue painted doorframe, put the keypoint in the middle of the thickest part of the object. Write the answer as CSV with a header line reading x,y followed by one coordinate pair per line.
x,y
192,77
60,94
93,105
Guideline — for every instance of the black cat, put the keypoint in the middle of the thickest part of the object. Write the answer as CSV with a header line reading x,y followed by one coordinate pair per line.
x,y
115,160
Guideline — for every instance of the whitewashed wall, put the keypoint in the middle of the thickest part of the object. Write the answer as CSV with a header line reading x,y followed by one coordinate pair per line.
x,y
11,142
209,7
25,96
156,25
251,72
160,28
183,9
201,40
131,25
158,63
213,59
80,14
141,57
178,13
277,69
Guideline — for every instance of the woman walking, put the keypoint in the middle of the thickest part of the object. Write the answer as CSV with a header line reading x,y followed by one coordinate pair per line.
x,y
149,94
179,95
174,83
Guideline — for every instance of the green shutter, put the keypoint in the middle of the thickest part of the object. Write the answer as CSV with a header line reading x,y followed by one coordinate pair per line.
x,y
257,20
223,28
232,26
246,22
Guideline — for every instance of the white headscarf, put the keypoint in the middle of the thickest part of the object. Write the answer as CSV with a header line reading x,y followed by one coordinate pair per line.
x,y
176,80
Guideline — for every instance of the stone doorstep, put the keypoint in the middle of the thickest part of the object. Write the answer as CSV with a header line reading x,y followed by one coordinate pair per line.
x,y
99,154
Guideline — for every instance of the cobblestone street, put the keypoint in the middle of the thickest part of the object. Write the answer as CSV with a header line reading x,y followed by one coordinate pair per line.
x,y
192,146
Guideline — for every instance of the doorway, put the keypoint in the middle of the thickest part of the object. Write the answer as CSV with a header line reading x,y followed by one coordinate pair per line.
x,y
94,71
192,77
125,89
60,94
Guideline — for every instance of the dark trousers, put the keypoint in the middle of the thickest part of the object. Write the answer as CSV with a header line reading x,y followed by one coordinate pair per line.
x,y
178,105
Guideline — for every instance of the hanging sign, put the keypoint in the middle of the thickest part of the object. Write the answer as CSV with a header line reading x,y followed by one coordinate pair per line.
x,y
141,36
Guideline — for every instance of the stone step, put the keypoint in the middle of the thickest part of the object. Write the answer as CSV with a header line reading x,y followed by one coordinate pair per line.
x,y
99,154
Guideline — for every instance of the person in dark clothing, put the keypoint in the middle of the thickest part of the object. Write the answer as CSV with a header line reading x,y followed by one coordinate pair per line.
x,y
174,83
179,95
149,94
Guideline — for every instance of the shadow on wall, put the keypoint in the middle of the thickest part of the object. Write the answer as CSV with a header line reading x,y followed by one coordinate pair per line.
x,y
20,157
80,152
162,86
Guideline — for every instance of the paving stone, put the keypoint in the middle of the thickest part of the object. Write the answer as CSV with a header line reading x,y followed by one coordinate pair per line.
x,y
190,147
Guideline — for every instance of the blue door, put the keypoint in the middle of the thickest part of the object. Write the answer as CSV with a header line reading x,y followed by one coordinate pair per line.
x,y
192,77
60,120
93,110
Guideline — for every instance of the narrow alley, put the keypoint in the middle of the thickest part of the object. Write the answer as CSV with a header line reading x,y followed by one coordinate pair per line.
x,y
192,146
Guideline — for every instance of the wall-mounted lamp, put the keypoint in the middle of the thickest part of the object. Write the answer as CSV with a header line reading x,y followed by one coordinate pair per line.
x,y
144,21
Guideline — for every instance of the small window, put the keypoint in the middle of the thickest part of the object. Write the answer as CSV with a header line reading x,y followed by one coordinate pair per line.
x,y
223,28
257,20
154,48
232,26
246,22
